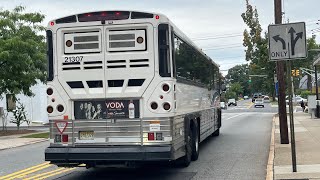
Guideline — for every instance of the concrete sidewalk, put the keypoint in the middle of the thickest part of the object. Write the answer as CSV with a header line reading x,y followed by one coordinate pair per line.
x,y
307,135
7,142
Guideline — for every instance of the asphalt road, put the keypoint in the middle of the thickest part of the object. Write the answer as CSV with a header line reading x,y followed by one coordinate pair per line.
x,y
240,152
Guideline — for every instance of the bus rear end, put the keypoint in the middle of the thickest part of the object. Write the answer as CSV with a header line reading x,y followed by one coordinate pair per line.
x,y
107,102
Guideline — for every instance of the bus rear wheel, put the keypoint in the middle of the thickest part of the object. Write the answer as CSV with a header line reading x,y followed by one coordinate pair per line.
x,y
216,133
186,159
195,143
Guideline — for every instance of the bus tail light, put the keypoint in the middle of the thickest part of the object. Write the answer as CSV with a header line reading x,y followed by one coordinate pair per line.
x,y
150,136
65,138
165,87
49,109
166,106
49,91
60,108
154,105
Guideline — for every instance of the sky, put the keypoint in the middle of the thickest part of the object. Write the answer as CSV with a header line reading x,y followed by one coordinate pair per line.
x,y
215,26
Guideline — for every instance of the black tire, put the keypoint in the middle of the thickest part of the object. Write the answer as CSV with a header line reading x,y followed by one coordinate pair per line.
x,y
216,133
186,160
195,143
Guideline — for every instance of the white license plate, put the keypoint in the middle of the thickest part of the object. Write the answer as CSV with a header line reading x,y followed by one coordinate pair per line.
x,y
86,135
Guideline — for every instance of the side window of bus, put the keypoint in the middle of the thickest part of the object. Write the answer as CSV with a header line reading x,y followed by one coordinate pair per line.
x,y
192,65
164,51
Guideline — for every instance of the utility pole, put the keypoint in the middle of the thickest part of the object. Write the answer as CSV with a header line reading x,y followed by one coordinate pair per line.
x,y
281,80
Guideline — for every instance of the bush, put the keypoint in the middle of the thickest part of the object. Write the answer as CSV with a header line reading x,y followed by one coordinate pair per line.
x,y
305,94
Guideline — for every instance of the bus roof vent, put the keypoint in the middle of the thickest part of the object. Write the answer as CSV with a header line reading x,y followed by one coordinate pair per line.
x,y
140,15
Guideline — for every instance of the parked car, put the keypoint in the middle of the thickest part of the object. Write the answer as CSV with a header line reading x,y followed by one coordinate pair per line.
x,y
223,105
297,99
266,99
258,102
245,97
232,102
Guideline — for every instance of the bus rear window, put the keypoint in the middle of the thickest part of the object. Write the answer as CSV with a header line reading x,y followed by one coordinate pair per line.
x,y
164,52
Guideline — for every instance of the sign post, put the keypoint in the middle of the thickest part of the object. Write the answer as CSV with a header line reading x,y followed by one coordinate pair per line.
x,y
288,42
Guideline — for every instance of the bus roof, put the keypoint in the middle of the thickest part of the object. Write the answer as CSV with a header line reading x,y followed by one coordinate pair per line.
x,y
124,15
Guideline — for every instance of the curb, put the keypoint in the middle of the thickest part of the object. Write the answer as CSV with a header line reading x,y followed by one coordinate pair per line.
x,y
271,153
28,143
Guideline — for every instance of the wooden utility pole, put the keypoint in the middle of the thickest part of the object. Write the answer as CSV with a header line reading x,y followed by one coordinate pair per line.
x,y
281,80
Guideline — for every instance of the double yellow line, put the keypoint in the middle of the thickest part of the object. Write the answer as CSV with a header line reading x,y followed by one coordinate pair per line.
x,y
25,172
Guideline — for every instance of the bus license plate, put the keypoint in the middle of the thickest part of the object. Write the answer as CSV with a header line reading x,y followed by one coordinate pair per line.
x,y
86,135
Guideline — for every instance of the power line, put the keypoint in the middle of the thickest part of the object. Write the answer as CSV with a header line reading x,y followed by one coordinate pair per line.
x,y
217,37
230,47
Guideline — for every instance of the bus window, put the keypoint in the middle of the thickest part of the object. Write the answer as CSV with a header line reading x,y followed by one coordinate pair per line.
x,y
164,58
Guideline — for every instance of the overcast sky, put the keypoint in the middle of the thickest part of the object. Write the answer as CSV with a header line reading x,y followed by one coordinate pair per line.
x,y
219,22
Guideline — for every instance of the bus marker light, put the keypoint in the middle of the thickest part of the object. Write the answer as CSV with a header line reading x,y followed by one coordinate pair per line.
x,y
103,14
117,13
53,100
52,23
157,17
65,138
151,136
61,126
161,97
66,117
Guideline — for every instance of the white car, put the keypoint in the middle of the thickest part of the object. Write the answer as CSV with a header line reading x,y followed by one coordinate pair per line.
x,y
266,99
297,99
245,97
258,102
232,102
223,105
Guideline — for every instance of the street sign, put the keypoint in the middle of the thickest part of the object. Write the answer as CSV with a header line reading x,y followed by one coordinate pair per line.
x,y
287,41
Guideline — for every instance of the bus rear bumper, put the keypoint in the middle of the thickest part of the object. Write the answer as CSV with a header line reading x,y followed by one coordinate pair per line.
x,y
65,155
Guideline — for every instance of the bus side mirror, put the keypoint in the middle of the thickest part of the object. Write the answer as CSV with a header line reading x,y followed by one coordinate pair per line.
x,y
223,87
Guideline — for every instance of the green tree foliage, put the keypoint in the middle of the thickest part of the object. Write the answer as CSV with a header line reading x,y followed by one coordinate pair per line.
x,y
257,52
20,115
234,90
22,51
240,74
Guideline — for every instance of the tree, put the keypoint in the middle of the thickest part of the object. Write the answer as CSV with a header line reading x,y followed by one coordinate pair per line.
x,y
257,52
240,74
20,115
22,51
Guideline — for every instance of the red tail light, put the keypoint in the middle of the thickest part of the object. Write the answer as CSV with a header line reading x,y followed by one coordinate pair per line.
x,y
165,87
166,106
65,138
150,136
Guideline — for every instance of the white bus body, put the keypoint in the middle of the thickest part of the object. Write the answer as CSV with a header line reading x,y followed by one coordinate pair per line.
x,y
127,87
